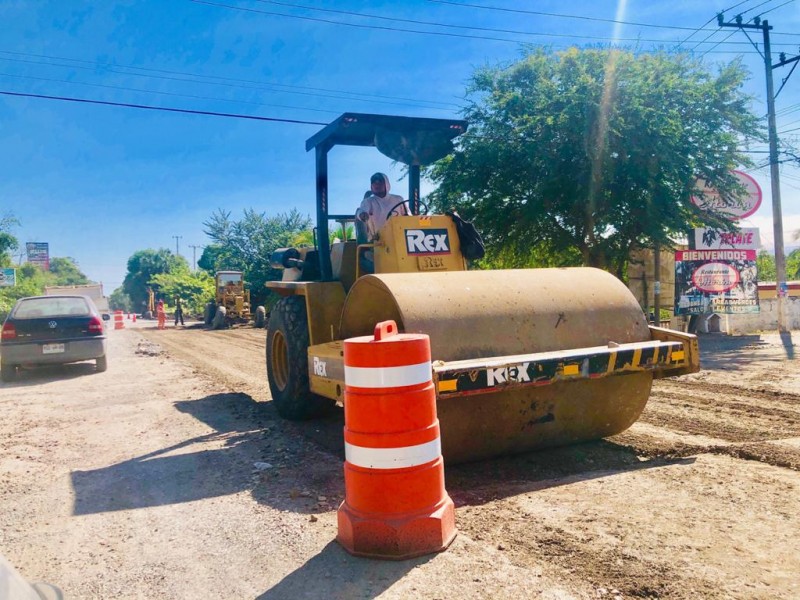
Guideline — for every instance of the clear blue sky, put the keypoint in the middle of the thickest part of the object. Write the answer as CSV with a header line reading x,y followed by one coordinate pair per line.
x,y
100,182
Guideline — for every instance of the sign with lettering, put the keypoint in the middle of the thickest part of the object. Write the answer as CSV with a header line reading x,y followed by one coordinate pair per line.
x,y
747,238
39,254
8,277
732,207
716,281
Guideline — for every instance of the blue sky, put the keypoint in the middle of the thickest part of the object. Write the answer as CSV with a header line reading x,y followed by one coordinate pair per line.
x,y
100,182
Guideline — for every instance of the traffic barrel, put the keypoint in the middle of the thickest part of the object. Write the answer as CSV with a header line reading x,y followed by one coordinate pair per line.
x,y
118,322
395,505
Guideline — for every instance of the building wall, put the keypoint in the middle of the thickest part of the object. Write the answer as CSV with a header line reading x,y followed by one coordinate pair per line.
x,y
641,277
766,320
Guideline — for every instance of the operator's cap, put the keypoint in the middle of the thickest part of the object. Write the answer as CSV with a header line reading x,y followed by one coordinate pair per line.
x,y
378,177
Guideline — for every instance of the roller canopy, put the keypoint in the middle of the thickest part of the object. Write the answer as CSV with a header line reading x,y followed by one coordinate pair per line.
x,y
410,140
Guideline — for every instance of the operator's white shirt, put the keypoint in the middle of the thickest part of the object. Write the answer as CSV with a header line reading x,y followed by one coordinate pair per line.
x,y
378,209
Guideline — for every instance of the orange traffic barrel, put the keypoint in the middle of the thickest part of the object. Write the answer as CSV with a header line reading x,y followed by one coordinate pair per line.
x,y
395,505
118,322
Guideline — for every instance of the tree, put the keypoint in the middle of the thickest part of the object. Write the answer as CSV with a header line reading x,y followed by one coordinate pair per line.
x,y
594,151
765,263
246,245
119,300
194,289
65,271
793,264
8,242
142,266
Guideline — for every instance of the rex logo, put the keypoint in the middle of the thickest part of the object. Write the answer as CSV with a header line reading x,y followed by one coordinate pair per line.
x,y
427,241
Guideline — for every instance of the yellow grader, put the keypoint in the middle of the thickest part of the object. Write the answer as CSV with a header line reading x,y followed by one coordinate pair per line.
x,y
231,303
522,359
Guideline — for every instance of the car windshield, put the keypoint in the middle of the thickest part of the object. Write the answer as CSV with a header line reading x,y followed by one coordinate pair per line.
x,y
52,307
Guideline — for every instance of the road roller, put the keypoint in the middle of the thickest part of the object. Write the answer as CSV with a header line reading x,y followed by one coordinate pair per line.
x,y
521,359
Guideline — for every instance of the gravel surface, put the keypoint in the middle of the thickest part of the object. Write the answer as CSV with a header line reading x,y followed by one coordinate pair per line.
x,y
171,476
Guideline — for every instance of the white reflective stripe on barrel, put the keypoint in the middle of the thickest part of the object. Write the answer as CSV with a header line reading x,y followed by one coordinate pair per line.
x,y
385,377
392,458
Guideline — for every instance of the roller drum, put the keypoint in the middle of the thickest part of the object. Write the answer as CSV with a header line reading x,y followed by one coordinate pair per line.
x,y
483,314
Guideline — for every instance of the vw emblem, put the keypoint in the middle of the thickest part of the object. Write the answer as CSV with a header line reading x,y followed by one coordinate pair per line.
x,y
52,324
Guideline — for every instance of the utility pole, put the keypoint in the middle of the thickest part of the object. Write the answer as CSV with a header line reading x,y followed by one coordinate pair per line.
x,y
194,255
177,247
777,217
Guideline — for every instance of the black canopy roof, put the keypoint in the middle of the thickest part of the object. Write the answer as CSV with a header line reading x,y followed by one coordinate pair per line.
x,y
410,140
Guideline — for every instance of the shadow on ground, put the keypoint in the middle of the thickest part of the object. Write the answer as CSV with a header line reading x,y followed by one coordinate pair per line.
x,y
300,465
28,376
334,574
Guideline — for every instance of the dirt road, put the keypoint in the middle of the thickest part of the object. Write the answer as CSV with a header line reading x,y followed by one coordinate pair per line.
x,y
140,483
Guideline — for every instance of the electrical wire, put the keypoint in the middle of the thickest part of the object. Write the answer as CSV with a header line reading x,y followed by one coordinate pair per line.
x,y
242,83
436,33
163,108
193,96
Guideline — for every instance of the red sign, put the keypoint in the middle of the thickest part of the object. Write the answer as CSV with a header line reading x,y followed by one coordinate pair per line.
x,y
731,207
715,277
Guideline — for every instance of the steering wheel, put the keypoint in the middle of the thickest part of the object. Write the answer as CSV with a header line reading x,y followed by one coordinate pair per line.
x,y
392,212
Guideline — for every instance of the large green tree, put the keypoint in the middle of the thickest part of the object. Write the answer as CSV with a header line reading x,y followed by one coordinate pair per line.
x,y
247,244
142,266
593,153
8,243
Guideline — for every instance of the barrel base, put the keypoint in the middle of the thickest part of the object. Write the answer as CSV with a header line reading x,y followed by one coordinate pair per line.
x,y
375,536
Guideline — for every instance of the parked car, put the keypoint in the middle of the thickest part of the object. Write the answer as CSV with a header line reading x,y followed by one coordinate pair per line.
x,y
47,330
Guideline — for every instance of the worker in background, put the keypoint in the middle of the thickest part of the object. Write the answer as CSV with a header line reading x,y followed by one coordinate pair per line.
x,y
375,208
178,311
161,315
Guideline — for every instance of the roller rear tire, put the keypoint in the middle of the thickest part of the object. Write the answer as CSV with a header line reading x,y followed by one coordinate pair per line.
x,y
287,363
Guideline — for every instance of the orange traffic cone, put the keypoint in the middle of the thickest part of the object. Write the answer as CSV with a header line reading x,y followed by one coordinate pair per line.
x,y
395,505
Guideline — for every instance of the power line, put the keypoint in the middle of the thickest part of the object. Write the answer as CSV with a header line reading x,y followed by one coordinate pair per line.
x,y
193,96
437,33
223,80
162,108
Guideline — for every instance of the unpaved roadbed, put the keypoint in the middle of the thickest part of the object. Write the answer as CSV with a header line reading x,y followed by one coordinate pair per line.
x,y
140,483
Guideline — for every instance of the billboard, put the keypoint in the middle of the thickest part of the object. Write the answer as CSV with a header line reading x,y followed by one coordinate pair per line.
x,y
39,254
747,238
731,208
716,281
8,277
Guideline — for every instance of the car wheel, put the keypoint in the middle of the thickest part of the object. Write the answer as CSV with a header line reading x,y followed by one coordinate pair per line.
x,y
287,362
219,319
101,364
261,314
8,372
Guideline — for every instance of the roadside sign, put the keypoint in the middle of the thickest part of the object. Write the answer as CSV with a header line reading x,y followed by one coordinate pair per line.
x,y
8,277
39,254
732,208
716,281
747,238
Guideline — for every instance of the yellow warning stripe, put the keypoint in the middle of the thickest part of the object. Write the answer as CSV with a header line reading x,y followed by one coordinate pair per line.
x,y
612,361
450,385
572,369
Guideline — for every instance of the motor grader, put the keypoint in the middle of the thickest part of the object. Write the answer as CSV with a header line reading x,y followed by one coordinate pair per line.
x,y
231,302
522,359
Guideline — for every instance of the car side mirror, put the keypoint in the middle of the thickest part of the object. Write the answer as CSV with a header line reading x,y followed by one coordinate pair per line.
x,y
106,317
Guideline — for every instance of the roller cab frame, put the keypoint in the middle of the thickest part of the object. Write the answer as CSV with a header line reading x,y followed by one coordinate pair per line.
x,y
521,358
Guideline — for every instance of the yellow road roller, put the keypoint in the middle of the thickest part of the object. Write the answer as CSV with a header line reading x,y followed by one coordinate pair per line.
x,y
522,359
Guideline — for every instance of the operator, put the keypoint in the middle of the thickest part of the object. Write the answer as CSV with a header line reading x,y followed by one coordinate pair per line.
x,y
375,208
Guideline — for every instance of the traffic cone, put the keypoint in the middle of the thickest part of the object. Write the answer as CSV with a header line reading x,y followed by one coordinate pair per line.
x,y
395,506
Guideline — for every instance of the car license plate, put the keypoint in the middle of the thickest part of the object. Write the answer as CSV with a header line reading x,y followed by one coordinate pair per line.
x,y
52,348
